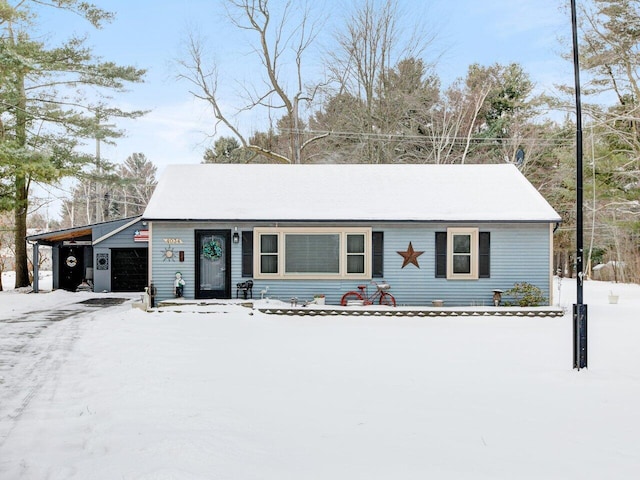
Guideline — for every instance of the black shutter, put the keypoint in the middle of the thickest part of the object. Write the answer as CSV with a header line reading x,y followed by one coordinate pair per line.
x,y
441,254
377,254
247,253
484,258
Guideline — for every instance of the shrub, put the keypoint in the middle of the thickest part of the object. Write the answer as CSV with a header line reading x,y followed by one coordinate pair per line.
x,y
526,295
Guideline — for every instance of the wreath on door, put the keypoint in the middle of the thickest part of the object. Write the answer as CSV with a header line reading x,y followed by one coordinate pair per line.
x,y
212,250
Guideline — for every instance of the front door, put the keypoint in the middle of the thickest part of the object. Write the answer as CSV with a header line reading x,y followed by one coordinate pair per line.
x,y
213,265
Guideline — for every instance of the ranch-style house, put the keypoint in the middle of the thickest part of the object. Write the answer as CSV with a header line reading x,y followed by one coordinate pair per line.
x,y
455,233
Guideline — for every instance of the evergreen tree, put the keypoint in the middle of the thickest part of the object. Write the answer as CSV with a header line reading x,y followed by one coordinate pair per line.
x,y
136,185
610,54
124,192
51,99
226,150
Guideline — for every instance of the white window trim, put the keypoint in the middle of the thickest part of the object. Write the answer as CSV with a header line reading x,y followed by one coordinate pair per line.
x,y
473,232
257,255
281,232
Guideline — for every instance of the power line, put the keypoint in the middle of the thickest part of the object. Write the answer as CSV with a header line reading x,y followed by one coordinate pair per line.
x,y
452,139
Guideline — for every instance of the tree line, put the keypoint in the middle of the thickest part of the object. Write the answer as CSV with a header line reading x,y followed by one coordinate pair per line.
x,y
372,95
382,102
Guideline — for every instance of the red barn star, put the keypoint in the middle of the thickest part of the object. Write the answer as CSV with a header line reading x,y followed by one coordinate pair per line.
x,y
410,256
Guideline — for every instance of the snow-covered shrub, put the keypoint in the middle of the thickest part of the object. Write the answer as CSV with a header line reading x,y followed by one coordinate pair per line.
x,y
525,295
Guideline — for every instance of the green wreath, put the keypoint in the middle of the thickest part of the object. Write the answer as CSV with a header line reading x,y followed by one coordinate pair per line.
x,y
212,250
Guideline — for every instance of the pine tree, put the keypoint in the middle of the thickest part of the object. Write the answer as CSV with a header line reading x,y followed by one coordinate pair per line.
x,y
46,107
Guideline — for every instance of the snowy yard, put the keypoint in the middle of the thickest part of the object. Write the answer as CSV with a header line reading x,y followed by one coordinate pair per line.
x,y
225,392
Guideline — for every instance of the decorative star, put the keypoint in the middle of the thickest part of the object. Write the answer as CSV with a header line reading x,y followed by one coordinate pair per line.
x,y
410,256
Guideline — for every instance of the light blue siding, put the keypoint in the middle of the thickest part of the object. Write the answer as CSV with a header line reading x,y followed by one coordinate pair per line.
x,y
163,268
122,239
519,253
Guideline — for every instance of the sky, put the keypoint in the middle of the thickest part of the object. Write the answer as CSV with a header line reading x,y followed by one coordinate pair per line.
x,y
151,34
222,391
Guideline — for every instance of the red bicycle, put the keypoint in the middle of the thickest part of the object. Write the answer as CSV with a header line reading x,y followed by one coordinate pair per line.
x,y
361,297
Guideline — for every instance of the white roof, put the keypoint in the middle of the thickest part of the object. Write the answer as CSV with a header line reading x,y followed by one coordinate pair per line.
x,y
339,192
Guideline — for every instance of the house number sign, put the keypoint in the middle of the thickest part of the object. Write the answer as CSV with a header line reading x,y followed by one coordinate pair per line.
x,y
172,241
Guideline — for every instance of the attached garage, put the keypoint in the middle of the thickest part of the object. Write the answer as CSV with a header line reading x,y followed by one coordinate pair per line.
x,y
129,269
109,256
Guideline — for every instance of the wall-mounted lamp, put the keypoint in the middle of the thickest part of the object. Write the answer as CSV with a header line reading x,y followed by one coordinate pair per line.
x,y
236,235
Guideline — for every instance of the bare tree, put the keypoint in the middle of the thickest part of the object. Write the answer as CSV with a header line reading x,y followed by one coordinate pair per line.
x,y
370,46
277,44
448,126
373,59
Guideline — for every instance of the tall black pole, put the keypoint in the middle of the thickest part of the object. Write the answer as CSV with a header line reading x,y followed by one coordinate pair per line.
x,y
579,309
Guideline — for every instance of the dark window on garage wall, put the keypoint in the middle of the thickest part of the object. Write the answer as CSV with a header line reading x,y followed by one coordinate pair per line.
x,y
247,254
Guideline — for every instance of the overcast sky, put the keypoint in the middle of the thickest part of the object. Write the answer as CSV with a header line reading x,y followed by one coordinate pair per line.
x,y
150,33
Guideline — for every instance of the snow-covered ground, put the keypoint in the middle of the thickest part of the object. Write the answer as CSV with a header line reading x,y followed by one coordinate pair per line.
x,y
225,392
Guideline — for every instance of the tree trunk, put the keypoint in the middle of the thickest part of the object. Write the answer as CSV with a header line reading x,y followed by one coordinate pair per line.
x,y
20,217
22,191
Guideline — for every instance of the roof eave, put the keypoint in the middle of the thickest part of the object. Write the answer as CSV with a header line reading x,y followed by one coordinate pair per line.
x,y
355,220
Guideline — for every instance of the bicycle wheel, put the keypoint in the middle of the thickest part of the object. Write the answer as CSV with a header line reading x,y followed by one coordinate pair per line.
x,y
351,297
387,299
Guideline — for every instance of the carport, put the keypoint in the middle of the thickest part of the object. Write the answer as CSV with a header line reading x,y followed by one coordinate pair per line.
x,y
110,256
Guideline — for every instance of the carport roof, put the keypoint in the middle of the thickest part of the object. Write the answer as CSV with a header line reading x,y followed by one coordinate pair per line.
x,y
83,232
75,233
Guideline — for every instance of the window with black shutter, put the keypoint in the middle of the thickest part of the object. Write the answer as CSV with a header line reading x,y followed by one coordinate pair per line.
x,y
377,257
483,255
247,253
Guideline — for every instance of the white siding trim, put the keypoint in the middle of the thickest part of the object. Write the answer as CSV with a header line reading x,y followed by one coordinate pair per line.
x,y
551,289
474,254
117,230
150,253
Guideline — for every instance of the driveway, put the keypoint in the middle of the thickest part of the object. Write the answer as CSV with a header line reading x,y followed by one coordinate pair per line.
x,y
33,345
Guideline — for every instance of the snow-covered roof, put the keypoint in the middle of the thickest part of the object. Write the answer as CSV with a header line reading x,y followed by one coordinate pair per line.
x,y
352,192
